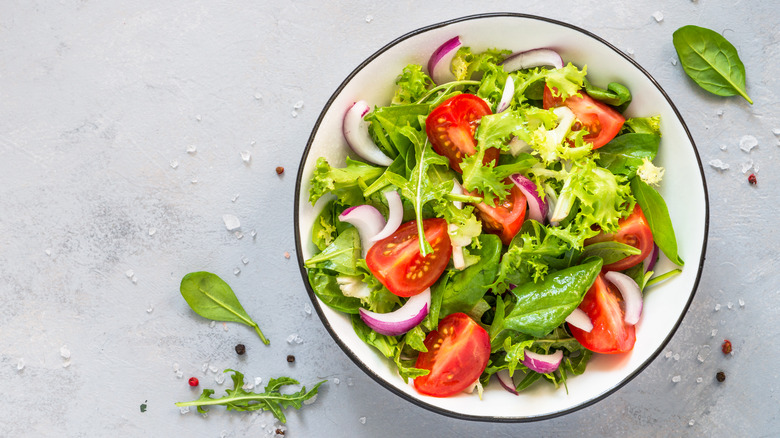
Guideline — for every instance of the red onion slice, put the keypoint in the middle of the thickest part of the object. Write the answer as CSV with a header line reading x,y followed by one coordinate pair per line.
x,y
368,221
632,295
506,381
507,95
439,66
394,216
578,318
532,58
537,208
649,262
356,133
543,363
402,320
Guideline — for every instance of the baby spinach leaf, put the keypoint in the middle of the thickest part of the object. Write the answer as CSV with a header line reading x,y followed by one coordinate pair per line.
x,y
465,288
654,208
210,297
609,251
327,290
624,154
545,305
271,399
341,255
710,60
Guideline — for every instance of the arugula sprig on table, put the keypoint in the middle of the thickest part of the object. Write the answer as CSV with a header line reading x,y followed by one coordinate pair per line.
x,y
271,399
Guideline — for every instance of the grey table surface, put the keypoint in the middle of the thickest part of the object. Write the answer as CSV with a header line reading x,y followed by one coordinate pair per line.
x,y
122,127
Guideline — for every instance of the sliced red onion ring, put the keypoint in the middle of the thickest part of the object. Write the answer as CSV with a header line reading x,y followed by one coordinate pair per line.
x,y
543,363
402,320
457,189
368,221
356,132
532,58
632,295
506,381
507,95
439,66
537,208
394,217
649,262
578,318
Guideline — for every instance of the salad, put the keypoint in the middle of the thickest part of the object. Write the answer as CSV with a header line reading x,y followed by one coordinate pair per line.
x,y
502,221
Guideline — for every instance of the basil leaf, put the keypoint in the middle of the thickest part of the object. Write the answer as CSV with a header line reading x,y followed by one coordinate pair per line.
x,y
609,251
210,297
543,306
654,208
710,60
624,154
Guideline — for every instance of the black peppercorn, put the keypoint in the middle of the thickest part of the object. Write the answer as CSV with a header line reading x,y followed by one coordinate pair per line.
x,y
290,358
721,376
240,349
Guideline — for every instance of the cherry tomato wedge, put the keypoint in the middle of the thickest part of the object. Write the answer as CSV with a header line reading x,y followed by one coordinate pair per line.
x,y
599,119
634,231
506,218
397,263
458,352
451,125
610,333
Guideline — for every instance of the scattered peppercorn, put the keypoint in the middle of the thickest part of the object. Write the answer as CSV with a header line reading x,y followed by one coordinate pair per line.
x,y
752,179
726,347
280,431
279,170
193,381
240,349
721,376
290,358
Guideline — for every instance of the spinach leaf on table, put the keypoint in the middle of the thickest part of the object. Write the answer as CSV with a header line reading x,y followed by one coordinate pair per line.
x,y
710,60
210,297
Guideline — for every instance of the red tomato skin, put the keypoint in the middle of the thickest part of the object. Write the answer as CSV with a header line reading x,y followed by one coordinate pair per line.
x,y
610,334
451,125
602,121
458,352
396,261
635,231
506,218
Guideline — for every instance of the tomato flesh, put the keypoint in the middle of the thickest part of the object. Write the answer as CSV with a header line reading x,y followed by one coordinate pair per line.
x,y
610,333
601,121
458,352
635,231
397,263
506,217
451,126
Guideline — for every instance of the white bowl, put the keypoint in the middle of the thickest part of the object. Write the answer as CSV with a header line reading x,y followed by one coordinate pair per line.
x,y
683,188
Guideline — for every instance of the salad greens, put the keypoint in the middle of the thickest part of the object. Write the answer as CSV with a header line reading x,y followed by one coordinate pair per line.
x,y
271,399
520,292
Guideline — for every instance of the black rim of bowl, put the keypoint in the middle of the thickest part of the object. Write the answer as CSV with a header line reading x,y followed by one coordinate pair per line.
x,y
357,360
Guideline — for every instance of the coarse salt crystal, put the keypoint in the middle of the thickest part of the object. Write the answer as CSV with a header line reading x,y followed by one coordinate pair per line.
x,y
668,354
48,251
150,309
66,364
20,364
235,197
294,113
258,96
152,231
755,167
253,233
231,222
191,149
220,379
194,181
349,381
776,131
676,356
719,113
246,156
65,352
198,117
699,380
174,164
717,307
129,273
298,104
184,410
369,18
204,367
658,15
236,271
176,366
239,235
723,147
179,374
741,302
704,353
134,279
719,164
674,61
362,420
248,386
291,338
213,368
730,305
714,332
212,324
336,381
258,381
676,379
245,260
307,308
748,142
692,422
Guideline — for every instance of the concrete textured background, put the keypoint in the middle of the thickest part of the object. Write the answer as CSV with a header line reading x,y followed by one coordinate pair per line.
x,y
104,210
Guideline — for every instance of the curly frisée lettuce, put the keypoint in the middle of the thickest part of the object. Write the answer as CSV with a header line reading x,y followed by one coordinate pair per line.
x,y
519,292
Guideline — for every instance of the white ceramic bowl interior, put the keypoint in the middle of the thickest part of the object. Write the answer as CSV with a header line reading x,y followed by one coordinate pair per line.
x,y
683,188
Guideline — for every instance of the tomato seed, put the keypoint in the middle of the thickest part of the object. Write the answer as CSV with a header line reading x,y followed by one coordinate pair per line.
x,y
193,381
726,347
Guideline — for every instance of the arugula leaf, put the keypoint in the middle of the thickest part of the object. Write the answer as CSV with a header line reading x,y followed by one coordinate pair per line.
x,y
545,305
342,182
386,124
625,153
271,399
210,297
710,60
657,214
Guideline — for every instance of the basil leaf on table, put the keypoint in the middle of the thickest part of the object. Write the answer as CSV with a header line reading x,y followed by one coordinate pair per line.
x,y
545,305
625,153
657,214
210,297
710,60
